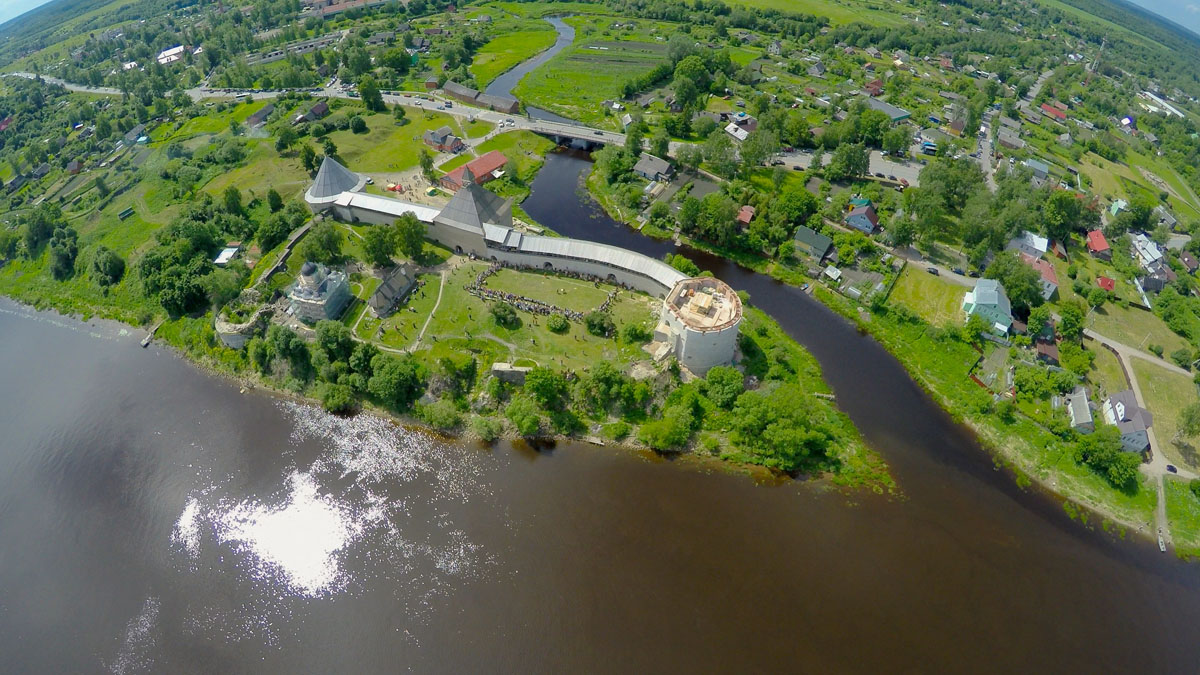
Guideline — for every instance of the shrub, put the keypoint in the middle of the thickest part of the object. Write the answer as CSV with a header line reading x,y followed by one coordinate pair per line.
x,y
337,398
599,324
1157,349
558,323
1194,486
523,413
487,428
635,333
440,414
504,315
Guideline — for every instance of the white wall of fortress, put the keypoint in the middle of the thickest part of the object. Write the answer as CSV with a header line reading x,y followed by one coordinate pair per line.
x,y
700,350
470,243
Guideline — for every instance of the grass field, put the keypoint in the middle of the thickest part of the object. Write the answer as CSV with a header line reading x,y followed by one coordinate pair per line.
x,y
525,151
538,9
210,123
937,301
876,12
1106,375
387,147
265,169
1167,394
579,78
1183,512
463,320
1134,327
546,287
507,50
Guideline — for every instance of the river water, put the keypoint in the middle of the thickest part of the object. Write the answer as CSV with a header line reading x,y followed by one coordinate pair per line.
x,y
503,85
157,519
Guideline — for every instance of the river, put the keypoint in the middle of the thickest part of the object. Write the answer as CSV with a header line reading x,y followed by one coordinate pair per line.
x,y
157,519
503,85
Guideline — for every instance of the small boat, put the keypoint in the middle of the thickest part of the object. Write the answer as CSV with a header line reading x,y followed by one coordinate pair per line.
x,y
146,341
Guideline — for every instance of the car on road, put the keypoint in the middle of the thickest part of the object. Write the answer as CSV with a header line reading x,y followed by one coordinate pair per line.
x,y
777,162
956,270
904,182
597,133
1172,469
879,174
933,270
974,274
370,181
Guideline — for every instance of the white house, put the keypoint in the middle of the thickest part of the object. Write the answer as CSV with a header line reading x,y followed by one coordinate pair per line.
x,y
1030,244
1145,251
1080,411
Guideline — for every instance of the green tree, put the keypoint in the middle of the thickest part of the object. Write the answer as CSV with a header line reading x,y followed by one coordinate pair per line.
x,y
1070,322
723,385
1188,424
64,247
272,231
758,147
233,200
329,147
308,157
409,234
395,381
599,324
101,186
322,244
660,144
369,91
337,398
286,139
1061,214
379,243
1022,283
335,340
779,429
633,140
548,387
895,140
1039,318
504,315
523,413
720,154
358,125
107,266
850,160
426,161
274,200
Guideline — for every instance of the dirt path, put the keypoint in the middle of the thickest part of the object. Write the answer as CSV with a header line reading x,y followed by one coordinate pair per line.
x,y
437,303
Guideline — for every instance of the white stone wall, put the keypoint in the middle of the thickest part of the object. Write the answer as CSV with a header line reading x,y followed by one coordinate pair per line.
x,y
612,274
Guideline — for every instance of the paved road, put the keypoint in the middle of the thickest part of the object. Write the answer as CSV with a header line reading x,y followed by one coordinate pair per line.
x,y
909,171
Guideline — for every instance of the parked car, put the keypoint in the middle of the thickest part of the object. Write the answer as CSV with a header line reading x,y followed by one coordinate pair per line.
x,y
598,133
904,182
1172,469
974,274
933,270
957,270
777,162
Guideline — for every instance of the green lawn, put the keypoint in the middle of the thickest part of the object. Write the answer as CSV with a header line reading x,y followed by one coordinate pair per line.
x,y
265,169
1167,394
476,128
525,151
463,319
507,50
387,147
1134,327
1183,513
937,301
874,12
1106,375
579,78
210,123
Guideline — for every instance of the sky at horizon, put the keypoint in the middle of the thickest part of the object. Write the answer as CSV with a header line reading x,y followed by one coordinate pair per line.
x,y
1183,12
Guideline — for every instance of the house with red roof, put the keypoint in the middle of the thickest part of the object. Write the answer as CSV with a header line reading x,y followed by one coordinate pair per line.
x,y
1046,271
874,87
1051,111
6,123
1098,246
483,169
745,214
1106,284
863,219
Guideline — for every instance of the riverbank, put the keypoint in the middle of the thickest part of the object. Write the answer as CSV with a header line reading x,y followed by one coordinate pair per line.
x,y
1029,451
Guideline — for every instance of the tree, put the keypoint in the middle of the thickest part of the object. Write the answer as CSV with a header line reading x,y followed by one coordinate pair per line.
x,y
1096,296
274,200
633,139
720,154
63,249
723,385
1070,323
1188,424
379,243
758,147
329,147
308,157
369,91
849,160
223,285
1039,318
40,226
101,186
895,140
233,200
1061,214
272,231
426,162
335,340
660,144
409,235
503,314
599,324
548,387
395,382
398,113
322,244
358,125
974,329
337,397
107,266
287,138
523,413
8,244
779,429
1022,284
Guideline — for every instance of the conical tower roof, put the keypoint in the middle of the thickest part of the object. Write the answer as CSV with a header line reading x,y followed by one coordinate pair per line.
x,y
473,206
332,180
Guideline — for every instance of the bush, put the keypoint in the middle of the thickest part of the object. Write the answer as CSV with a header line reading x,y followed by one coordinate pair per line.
x,y
337,398
441,414
558,323
1182,357
635,333
1157,349
505,315
487,428
1194,486
523,413
599,324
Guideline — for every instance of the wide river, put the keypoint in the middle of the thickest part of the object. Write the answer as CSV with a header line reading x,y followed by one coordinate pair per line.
x,y
156,519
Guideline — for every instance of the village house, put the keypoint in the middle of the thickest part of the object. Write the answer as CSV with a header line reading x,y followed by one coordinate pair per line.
x,y
1030,244
443,139
863,219
1049,279
1098,246
1122,411
482,169
1189,261
745,215
812,243
652,168
989,302
396,286
1079,410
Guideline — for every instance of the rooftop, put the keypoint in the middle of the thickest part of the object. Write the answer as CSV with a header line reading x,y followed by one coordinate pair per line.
x,y
705,304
